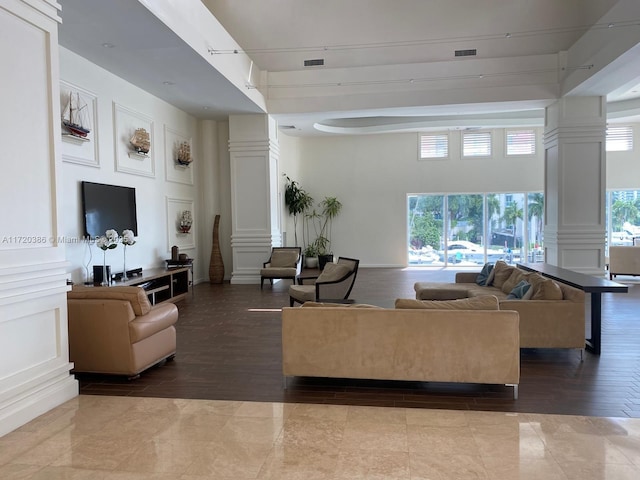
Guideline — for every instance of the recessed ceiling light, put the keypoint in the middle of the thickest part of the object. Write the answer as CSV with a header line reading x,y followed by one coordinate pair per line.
x,y
168,83
108,45
205,108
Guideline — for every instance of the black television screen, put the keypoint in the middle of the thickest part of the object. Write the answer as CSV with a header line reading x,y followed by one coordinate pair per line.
x,y
108,206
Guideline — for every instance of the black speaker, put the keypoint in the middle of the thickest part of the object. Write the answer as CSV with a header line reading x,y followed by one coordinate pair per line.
x,y
97,274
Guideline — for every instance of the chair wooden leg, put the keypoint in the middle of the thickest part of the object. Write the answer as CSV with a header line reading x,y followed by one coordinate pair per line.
x,y
261,282
291,301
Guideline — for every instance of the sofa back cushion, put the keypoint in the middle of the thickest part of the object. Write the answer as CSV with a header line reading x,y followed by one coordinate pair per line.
x,y
136,296
514,279
502,273
544,288
483,302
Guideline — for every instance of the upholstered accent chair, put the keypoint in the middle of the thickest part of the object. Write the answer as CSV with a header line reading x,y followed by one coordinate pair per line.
x,y
115,330
334,283
284,263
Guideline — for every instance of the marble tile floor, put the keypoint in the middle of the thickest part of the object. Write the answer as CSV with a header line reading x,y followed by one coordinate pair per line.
x,y
118,438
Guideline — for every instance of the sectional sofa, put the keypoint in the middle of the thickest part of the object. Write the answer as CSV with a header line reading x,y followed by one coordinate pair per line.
x,y
552,314
473,345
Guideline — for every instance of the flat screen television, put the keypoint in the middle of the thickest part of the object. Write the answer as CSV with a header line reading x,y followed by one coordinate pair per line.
x,y
108,206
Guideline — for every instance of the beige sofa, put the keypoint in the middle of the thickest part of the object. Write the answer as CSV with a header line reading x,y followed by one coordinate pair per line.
x,y
624,260
557,321
115,330
471,346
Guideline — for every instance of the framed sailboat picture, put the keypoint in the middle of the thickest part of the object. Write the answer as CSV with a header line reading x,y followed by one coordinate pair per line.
x,y
79,118
178,156
134,147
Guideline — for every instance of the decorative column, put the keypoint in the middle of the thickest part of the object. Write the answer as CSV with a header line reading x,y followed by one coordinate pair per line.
x,y
34,346
575,184
255,222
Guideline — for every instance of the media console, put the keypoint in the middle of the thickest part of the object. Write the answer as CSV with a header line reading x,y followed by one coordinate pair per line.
x,y
161,284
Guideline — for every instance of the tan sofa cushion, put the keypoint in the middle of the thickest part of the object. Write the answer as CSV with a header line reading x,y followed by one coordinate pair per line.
x,y
502,273
485,302
348,305
544,288
134,295
514,279
333,272
284,258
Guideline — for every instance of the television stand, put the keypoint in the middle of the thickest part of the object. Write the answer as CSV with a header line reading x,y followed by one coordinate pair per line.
x,y
161,284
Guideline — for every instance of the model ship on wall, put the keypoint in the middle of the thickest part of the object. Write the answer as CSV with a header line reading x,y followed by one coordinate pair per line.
x,y
75,117
140,141
184,154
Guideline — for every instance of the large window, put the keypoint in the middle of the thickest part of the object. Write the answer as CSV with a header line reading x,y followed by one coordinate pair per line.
x,y
623,213
471,229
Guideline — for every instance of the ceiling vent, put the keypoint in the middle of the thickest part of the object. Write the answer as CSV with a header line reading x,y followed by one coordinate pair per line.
x,y
466,53
314,63
287,127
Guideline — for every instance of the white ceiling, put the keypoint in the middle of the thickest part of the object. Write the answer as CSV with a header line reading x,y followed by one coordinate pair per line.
x,y
356,37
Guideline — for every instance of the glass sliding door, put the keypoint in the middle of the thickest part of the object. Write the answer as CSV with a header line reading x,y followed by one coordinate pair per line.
x,y
471,229
507,227
426,229
624,215
535,218
465,230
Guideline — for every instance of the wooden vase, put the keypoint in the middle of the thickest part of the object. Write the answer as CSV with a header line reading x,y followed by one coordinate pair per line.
x,y
216,265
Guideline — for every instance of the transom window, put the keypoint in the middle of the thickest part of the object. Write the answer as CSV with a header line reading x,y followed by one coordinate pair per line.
x,y
434,145
619,139
476,144
521,142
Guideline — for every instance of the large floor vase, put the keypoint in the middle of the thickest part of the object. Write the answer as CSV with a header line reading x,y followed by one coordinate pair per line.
x,y
216,265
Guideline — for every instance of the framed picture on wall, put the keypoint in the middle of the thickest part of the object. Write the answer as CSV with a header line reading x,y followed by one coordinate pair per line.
x,y
178,156
181,227
133,142
79,118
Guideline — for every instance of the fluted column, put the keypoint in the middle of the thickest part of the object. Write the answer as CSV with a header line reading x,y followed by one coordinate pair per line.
x,y
575,184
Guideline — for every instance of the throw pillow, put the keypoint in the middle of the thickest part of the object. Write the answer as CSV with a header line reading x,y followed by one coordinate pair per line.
x,y
503,272
483,302
492,275
516,277
333,272
546,289
519,290
482,277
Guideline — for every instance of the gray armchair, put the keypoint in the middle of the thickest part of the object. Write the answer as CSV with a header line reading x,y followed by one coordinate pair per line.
x,y
334,283
284,263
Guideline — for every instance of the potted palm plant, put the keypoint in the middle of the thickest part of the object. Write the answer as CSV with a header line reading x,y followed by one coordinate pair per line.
x,y
321,221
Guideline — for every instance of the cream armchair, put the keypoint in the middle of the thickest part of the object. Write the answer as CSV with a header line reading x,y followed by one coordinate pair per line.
x,y
115,330
284,263
334,283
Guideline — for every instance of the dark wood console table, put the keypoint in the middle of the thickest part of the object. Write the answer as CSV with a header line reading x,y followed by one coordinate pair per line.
x,y
587,283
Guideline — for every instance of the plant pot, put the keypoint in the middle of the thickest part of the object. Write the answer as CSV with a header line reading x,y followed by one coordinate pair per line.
x,y
323,260
311,262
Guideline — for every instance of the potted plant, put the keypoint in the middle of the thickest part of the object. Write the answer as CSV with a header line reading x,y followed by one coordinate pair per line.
x,y
298,201
310,256
322,222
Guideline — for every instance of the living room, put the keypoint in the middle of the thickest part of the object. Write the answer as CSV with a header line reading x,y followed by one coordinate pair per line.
x,y
372,173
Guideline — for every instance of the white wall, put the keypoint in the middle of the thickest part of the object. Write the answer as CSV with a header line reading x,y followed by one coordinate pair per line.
x,y
155,236
372,175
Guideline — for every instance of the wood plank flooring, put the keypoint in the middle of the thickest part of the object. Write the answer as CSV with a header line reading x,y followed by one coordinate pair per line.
x,y
229,348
